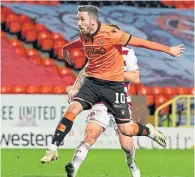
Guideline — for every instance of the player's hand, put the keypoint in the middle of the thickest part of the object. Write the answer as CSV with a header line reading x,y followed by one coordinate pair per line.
x,y
72,92
176,51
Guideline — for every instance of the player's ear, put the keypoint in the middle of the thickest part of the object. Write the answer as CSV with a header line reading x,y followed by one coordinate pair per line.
x,y
93,22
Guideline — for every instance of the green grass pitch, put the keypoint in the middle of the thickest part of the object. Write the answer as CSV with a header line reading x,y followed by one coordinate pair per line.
x,y
99,163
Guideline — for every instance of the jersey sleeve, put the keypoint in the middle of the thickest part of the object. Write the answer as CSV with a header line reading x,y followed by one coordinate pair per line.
x,y
119,37
131,61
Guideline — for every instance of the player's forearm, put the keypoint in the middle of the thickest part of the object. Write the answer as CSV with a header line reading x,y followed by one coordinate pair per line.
x,y
82,75
132,76
137,42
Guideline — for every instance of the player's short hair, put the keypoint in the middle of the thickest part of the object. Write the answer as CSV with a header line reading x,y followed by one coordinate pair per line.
x,y
92,11
115,26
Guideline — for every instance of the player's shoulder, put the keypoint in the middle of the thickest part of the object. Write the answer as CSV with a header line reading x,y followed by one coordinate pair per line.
x,y
108,29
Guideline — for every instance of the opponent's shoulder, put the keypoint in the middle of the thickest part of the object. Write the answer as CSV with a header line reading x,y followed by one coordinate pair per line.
x,y
128,49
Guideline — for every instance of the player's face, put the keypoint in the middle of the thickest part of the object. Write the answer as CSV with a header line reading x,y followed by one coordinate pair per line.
x,y
84,22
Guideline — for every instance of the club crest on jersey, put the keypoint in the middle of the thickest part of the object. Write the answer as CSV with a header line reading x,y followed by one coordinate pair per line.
x,y
100,42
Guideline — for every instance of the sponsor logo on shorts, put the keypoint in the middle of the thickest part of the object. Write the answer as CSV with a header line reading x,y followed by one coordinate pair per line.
x,y
123,112
118,105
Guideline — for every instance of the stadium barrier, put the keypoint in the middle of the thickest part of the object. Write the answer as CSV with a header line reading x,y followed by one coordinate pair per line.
x,y
173,103
28,121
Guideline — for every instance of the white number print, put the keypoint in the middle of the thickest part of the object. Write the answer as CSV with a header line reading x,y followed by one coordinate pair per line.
x,y
122,98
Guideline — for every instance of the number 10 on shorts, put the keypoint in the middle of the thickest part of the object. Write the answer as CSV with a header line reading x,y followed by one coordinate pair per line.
x,y
120,98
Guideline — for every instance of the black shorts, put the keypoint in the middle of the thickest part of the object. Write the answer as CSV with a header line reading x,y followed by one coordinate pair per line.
x,y
111,93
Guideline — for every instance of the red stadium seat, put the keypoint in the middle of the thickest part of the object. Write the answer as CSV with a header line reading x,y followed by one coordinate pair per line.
x,y
6,11
155,90
169,92
45,89
31,52
6,89
15,43
164,2
180,6
18,89
15,27
32,89
143,90
24,19
79,62
54,2
31,2
11,18
181,91
59,90
42,2
40,27
21,51
58,44
42,35
48,62
54,69
56,36
31,36
2,18
3,35
35,59
68,80
191,5
191,91
26,27
150,99
65,71
47,44
160,99
132,89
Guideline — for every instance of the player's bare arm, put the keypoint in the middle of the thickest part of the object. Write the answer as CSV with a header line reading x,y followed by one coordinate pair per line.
x,y
132,76
75,88
174,51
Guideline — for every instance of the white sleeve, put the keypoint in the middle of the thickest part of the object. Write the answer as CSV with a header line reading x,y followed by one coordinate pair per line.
x,y
131,61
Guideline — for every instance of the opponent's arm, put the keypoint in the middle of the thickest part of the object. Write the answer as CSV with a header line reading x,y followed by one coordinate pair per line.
x,y
174,51
66,50
132,76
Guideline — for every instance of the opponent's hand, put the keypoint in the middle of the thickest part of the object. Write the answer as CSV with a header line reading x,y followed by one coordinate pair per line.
x,y
72,92
176,51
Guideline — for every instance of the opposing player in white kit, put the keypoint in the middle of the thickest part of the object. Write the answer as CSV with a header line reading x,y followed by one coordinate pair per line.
x,y
99,119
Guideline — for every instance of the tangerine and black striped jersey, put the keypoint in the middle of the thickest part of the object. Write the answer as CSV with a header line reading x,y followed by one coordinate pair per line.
x,y
104,52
